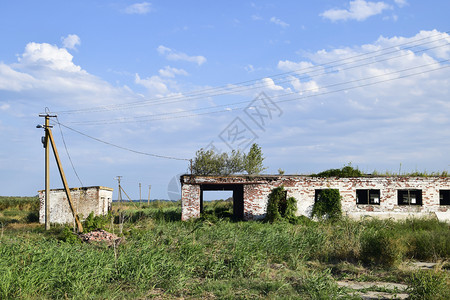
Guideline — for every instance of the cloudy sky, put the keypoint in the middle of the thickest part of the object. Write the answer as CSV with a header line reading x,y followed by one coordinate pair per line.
x,y
139,87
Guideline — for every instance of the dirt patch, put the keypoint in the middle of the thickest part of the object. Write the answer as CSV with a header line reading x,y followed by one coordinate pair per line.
x,y
391,290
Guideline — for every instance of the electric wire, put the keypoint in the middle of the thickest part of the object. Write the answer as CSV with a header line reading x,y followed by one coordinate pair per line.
x,y
226,89
239,89
230,105
233,88
121,147
67,152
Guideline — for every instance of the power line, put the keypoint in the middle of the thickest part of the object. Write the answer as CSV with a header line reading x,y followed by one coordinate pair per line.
x,y
155,116
121,147
67,151
242,86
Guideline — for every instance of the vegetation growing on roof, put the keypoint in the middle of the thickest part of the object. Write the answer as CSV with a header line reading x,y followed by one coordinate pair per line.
x,y
350,171
346,171
208,162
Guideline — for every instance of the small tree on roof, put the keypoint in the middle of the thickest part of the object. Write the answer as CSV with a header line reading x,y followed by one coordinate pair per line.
x,y
208,162
253,161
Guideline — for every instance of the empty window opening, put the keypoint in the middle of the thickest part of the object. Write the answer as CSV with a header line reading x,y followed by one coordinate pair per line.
x,y
444,197
217,195
368,197
223,200
409,197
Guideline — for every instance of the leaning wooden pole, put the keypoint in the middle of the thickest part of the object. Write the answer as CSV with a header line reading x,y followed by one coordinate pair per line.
x,y
63,178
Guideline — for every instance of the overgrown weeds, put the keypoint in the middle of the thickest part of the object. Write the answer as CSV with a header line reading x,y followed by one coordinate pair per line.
x,y
216,257
429,284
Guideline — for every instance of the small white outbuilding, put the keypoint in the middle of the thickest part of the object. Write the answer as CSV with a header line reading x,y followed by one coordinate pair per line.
x,y
96,199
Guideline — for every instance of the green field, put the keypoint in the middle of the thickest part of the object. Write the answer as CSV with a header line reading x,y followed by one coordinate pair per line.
x,y
215,257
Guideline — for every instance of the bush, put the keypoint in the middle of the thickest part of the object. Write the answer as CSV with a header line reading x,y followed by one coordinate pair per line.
x,y
328,205
347,171
279,208
33,217
98,222
429,245
380,247
68,236
426,284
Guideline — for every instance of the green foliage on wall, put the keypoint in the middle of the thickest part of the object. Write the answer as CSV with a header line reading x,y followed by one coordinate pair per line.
x,y
327,205
279,207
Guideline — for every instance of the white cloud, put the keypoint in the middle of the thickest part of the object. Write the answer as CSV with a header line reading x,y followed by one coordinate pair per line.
x,y
279,22
286,65
139,8
358,10
174,55
71,41
5,106
172,72
48,56
354,119
256,18
48,73
154,84
270,84
12,80
401,3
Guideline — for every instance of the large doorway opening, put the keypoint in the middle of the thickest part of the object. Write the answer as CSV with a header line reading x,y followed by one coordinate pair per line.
x,y
209,191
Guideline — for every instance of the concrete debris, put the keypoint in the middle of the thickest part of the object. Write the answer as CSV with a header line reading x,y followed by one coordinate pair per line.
x,y
99,236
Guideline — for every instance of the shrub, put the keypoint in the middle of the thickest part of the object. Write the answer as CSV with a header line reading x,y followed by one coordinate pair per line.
x,y
33,217
68,236
347,171
279,208
380,247
429,245
328,205
97,222
426,284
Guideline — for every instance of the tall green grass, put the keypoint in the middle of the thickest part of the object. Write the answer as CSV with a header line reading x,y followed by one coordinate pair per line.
x,y
210,257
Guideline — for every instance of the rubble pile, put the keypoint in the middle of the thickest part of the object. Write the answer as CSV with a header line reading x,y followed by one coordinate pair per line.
x,y
99,236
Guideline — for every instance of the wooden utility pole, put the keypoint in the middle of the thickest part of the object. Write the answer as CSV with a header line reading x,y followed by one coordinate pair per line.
x,y
49,138
47,173
149,188
140,195
119,195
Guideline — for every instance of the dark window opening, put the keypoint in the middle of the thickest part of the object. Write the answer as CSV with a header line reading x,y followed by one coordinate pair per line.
x,y
409,197
368,197
317,195
444,197
236,191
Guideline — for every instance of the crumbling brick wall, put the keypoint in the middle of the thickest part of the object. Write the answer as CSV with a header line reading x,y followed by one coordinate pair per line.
x,y
258,188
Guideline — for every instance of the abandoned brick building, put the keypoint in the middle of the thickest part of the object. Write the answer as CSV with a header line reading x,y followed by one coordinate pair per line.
x,y
96,199
382,197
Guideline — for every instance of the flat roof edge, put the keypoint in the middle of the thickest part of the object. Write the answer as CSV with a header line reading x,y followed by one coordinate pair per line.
x,y
82,188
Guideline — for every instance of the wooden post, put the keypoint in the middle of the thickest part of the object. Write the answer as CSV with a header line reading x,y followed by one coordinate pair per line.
x,y
63,178
149,188
47,174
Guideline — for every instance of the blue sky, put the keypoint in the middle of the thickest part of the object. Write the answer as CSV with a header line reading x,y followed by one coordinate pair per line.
x,y
317,84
